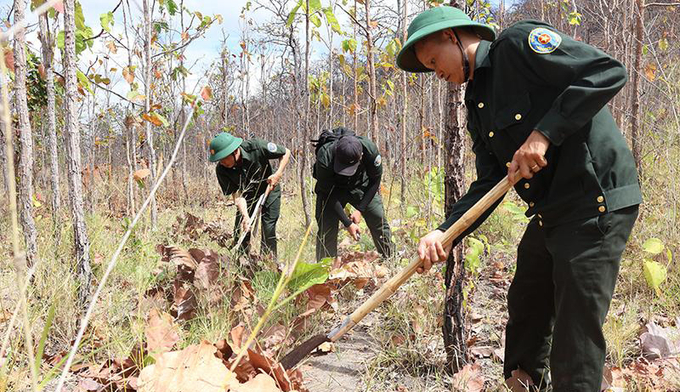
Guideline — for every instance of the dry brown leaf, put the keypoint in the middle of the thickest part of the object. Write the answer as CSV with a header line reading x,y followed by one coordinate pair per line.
x,y
141,174
519,381
194,369
261,383
129,75
161,333
468,379
185,303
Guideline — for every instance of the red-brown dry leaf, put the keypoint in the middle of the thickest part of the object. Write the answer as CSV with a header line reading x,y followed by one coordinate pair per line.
x,y
519,381
129,75
194,369
184,305
468,379
274,369
141,174
238,336
9,60
613,377
207,272
88,384
272,339
206,93
161,333
224,350
261,383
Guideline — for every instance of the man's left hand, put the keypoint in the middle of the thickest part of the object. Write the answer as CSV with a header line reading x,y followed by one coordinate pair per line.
x,y
355,217
529,159
273,180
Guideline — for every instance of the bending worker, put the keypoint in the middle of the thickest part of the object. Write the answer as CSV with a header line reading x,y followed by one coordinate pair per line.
x,y
537,104
348,169
245,173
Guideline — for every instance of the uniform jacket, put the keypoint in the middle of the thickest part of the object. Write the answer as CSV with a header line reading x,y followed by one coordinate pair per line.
x,y
251,177
533,77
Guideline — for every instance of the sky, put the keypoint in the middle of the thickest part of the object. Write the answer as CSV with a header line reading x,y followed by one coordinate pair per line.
x,y
203,50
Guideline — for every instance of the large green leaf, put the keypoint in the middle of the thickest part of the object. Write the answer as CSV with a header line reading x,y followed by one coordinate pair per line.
x,y
106,21
315,20
653,246
80,18
314,5
332,20
84,81
172,7
291,16
307,275
655,274
349,45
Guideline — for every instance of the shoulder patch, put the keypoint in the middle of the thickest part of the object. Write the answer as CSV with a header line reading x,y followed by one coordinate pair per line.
x,y
271,147
378,161
543,41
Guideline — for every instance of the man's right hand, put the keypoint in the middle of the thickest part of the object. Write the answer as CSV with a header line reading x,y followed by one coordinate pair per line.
x,y
354,231
430,250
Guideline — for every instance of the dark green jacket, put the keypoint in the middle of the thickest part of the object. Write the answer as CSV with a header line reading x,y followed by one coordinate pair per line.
x,y
563,94
251,176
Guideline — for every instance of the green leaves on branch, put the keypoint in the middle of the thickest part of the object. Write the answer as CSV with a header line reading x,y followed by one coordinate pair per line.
x,y
106,20
349,45
83,32
84,82
316,11
170,5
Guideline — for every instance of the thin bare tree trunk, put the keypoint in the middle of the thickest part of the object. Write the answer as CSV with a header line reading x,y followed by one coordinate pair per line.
x,y
373,105
46,40
25,173
356,78
81,242
635,96
404,94
151,153
305,135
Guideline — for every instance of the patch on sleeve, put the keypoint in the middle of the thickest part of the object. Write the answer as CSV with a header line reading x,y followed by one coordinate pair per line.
x,y
378,161
542,40
271,147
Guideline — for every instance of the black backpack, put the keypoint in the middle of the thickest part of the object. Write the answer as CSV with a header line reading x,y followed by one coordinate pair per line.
x,y
330,136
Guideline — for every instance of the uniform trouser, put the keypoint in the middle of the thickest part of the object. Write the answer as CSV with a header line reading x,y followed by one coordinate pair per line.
x,y
270,215
328,221
559,298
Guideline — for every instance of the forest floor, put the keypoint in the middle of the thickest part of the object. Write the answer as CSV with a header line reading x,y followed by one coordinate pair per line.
x,y
398,347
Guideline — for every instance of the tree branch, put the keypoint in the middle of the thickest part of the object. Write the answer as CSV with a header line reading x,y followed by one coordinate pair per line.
x,y
102,32
662,4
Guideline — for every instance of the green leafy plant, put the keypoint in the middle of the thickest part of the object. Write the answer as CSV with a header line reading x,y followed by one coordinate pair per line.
x,y
655,273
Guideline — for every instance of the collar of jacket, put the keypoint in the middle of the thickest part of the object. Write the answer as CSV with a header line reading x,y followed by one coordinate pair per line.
x,y
482,55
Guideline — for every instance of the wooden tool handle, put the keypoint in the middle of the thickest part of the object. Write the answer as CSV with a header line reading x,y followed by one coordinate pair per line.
x,y
389,287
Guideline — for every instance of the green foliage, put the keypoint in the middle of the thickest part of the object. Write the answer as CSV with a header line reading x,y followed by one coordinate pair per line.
x,y
474,253
84,81
655,273
517,212
307,275
83,32
106,20
349,45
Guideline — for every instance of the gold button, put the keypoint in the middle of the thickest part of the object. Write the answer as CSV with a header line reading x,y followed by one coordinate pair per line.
x,y
600,199
540,223
480,105
602,209
531,204
507,164
527,185
491,134
518,116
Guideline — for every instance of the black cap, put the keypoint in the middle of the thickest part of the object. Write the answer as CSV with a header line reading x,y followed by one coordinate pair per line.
x,y
347,155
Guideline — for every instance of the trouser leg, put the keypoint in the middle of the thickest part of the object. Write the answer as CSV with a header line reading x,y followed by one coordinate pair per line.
x,y
327,236
379,227
586,257
270,215
530,308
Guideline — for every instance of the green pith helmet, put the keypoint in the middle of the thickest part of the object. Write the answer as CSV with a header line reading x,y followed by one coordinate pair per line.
x,y
433,20
222,145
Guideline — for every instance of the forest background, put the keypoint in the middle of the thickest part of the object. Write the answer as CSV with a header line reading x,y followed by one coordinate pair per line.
x,y
104,96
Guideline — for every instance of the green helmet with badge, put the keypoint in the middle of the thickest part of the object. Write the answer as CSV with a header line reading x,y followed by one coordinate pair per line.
x,y
222,145
431,21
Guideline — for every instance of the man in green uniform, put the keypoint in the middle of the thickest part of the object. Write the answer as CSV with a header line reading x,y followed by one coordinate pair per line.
x,y
245,173
536,101
348,169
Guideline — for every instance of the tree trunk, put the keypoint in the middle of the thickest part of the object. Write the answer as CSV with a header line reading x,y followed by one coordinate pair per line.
x,y
454,321
82,244
25,172
635,95
305,133
356,78
404,94
151,153
46,40
373,105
